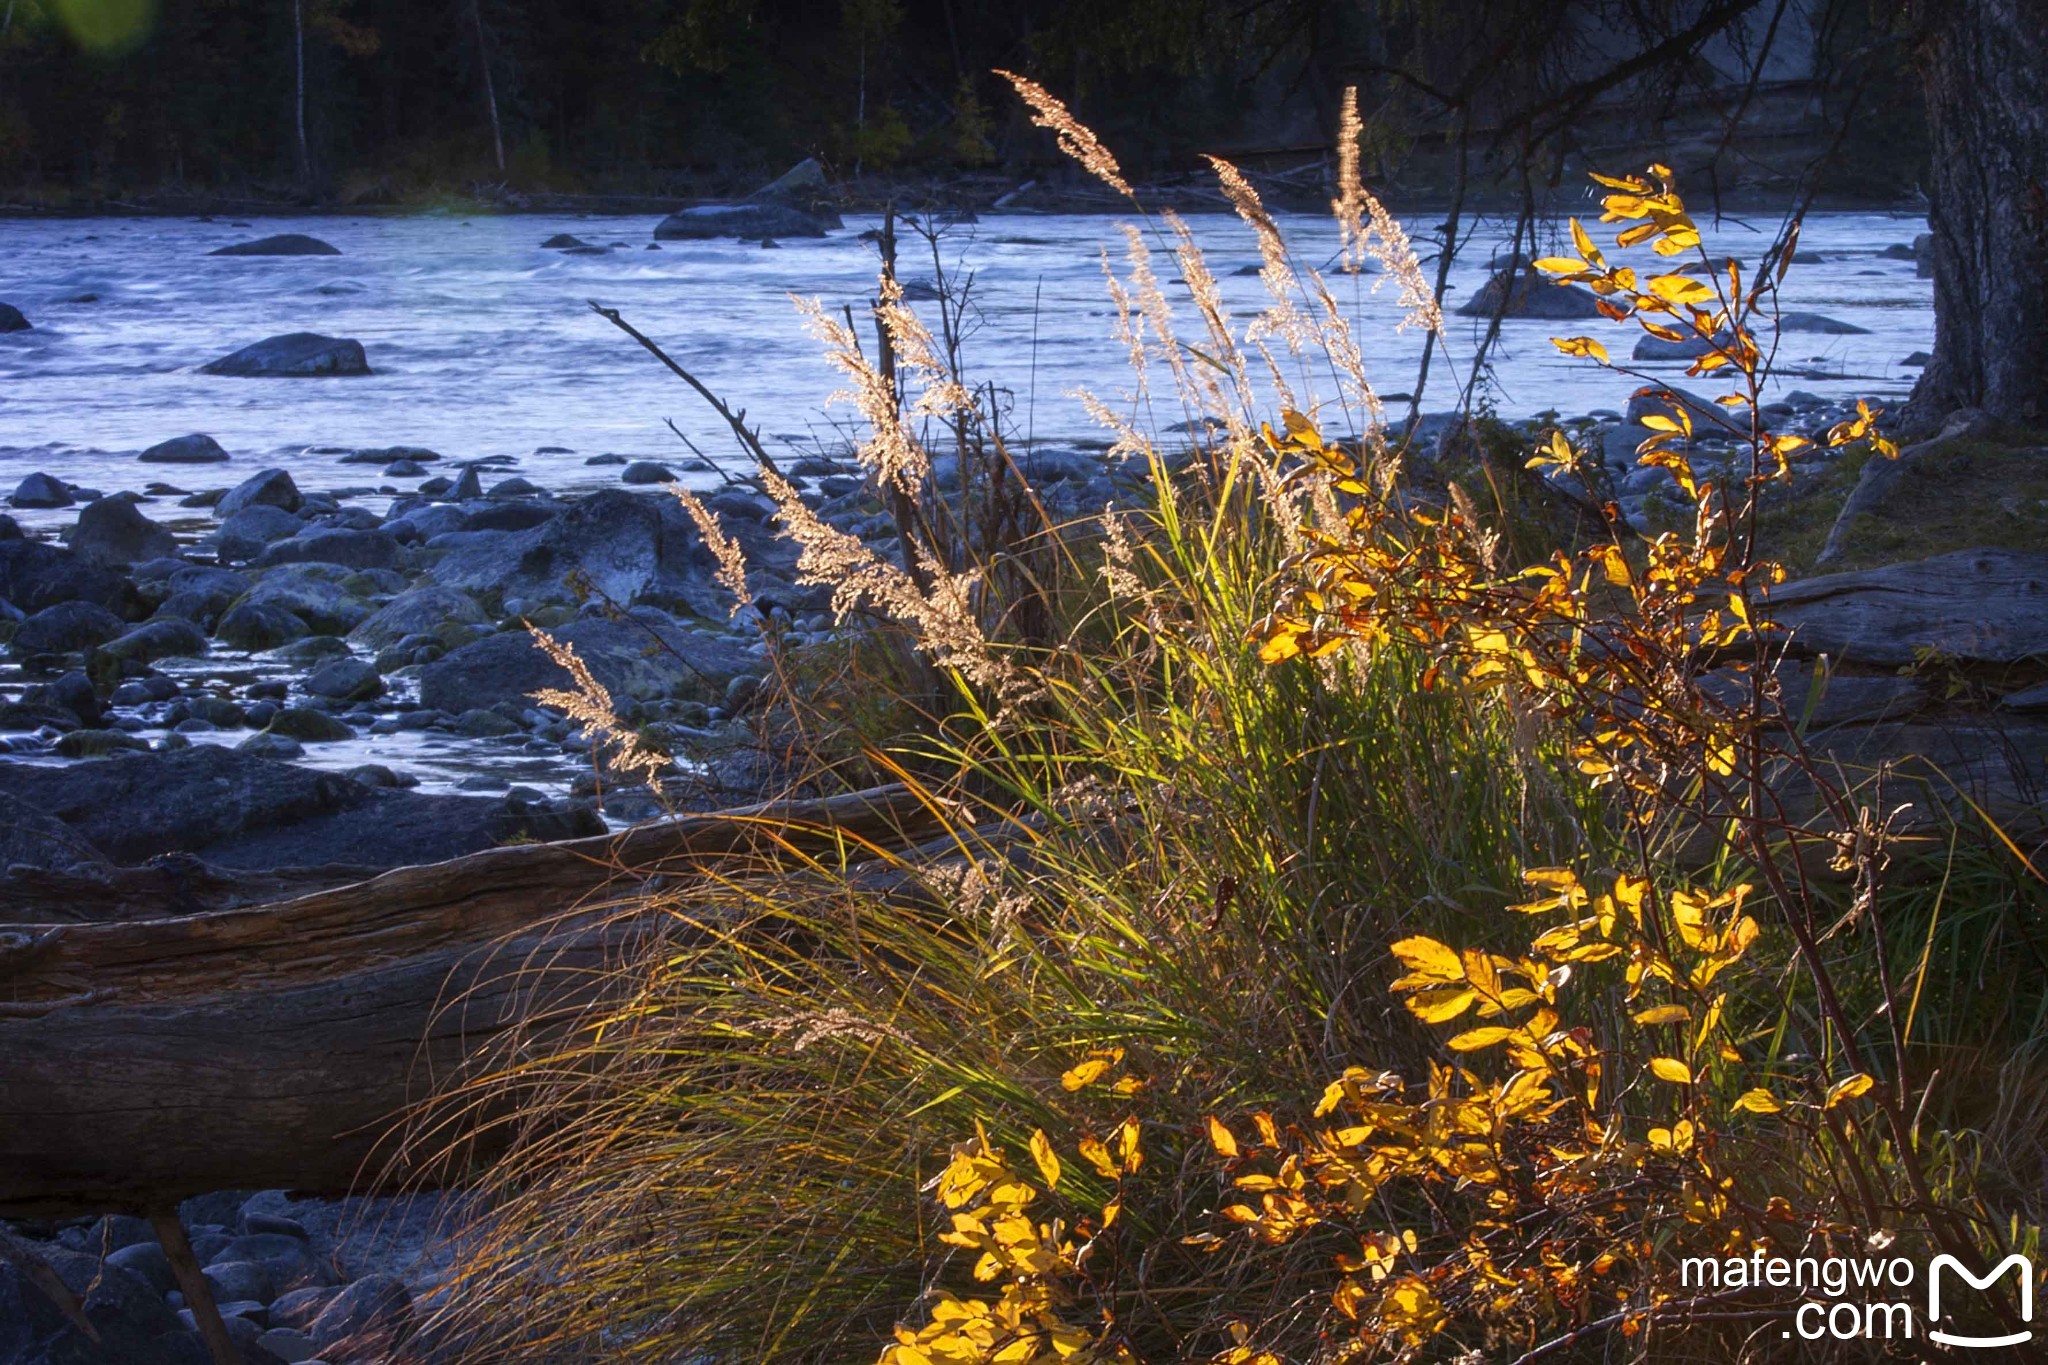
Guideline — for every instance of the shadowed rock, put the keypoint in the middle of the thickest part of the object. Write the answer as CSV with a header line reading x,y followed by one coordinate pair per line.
x,y
295,355
284,244
197,448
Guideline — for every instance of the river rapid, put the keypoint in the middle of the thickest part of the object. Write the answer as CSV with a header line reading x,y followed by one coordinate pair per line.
x,y
481,343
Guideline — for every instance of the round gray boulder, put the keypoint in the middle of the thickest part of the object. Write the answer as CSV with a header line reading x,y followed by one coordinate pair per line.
x,y
270,488
114,531
41,490
284,244
197,448
296,355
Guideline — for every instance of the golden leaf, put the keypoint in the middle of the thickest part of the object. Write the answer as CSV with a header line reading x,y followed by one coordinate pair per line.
x,y
1671,1069
1471,1040
1086,1074
1429,960
1758,1101
1048,1161
1220,1138
1096,1154
1664,1014
1842,1091
1442,1006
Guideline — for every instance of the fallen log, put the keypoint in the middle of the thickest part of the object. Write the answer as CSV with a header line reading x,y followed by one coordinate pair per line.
x,y
142,1061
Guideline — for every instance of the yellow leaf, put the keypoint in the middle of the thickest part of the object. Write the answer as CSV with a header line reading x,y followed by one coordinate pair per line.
x,y
1615,565
1427,958
1442,1006
1471,1040
1111,1211
1664,1014
1560,265
1586,346
1086,1074
1127,1146
1048,1160
1758,1101
1657,421
1848,1089
1682,289
1671,1069
1096,1154
1220,1138
1129,1085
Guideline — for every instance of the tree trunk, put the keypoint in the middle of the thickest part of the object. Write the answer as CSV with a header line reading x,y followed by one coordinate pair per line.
x,y
301,156
1984,67
483,61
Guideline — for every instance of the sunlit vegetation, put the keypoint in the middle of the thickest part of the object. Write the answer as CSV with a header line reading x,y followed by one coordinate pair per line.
x,y
1365,934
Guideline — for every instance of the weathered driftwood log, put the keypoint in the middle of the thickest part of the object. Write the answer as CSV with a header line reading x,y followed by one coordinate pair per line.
x,y
274,1045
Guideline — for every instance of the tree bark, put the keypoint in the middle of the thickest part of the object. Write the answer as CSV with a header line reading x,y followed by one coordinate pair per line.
x,y
301,154
483,61
1984,69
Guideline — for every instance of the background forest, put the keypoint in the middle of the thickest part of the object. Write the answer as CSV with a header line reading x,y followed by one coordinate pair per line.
x,y
369,102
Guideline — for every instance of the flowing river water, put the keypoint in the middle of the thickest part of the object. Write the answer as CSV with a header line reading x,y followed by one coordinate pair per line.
x,y
482,346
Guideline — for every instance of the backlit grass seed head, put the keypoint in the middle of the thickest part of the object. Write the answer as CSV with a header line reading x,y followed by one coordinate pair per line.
x,y
1349,205
889,453
732,562
948,628
589,704
1077,140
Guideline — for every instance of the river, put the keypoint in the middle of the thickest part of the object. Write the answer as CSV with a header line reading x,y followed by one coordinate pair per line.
x,y
482,345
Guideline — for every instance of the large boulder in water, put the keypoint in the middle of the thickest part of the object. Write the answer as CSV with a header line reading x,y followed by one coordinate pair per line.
x,y
34,575
296,355
284,244
756,218
644,657
422,611
630,548
1534,295
323,596
11,319
66,628
114,531
42,491
269,488
197,448
334,545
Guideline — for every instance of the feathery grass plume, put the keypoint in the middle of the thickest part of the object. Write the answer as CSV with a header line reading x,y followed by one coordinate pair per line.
x,y
1349,205
1390,246
1119,559
1284,317
589,704
941,394
1077,140
732,561
890,453
948,628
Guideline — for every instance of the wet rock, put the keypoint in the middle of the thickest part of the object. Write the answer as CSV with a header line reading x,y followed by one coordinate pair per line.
x,y
1686,348
635,659
509,516
345,680
477,723
389,454
294,355
168,637
365,1322
377,775
326,545
11,320
146,1261
1821,323
319,594
266,744
197,448
1534,295
246,534
421,611
96,743
270,488
257,626
468,486
632,548
646,472
134,1324
315,649
284,1262
287,1345
310,726
33,838
563,241
67,628
41,491
515,487
284,244
114,531
756,220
